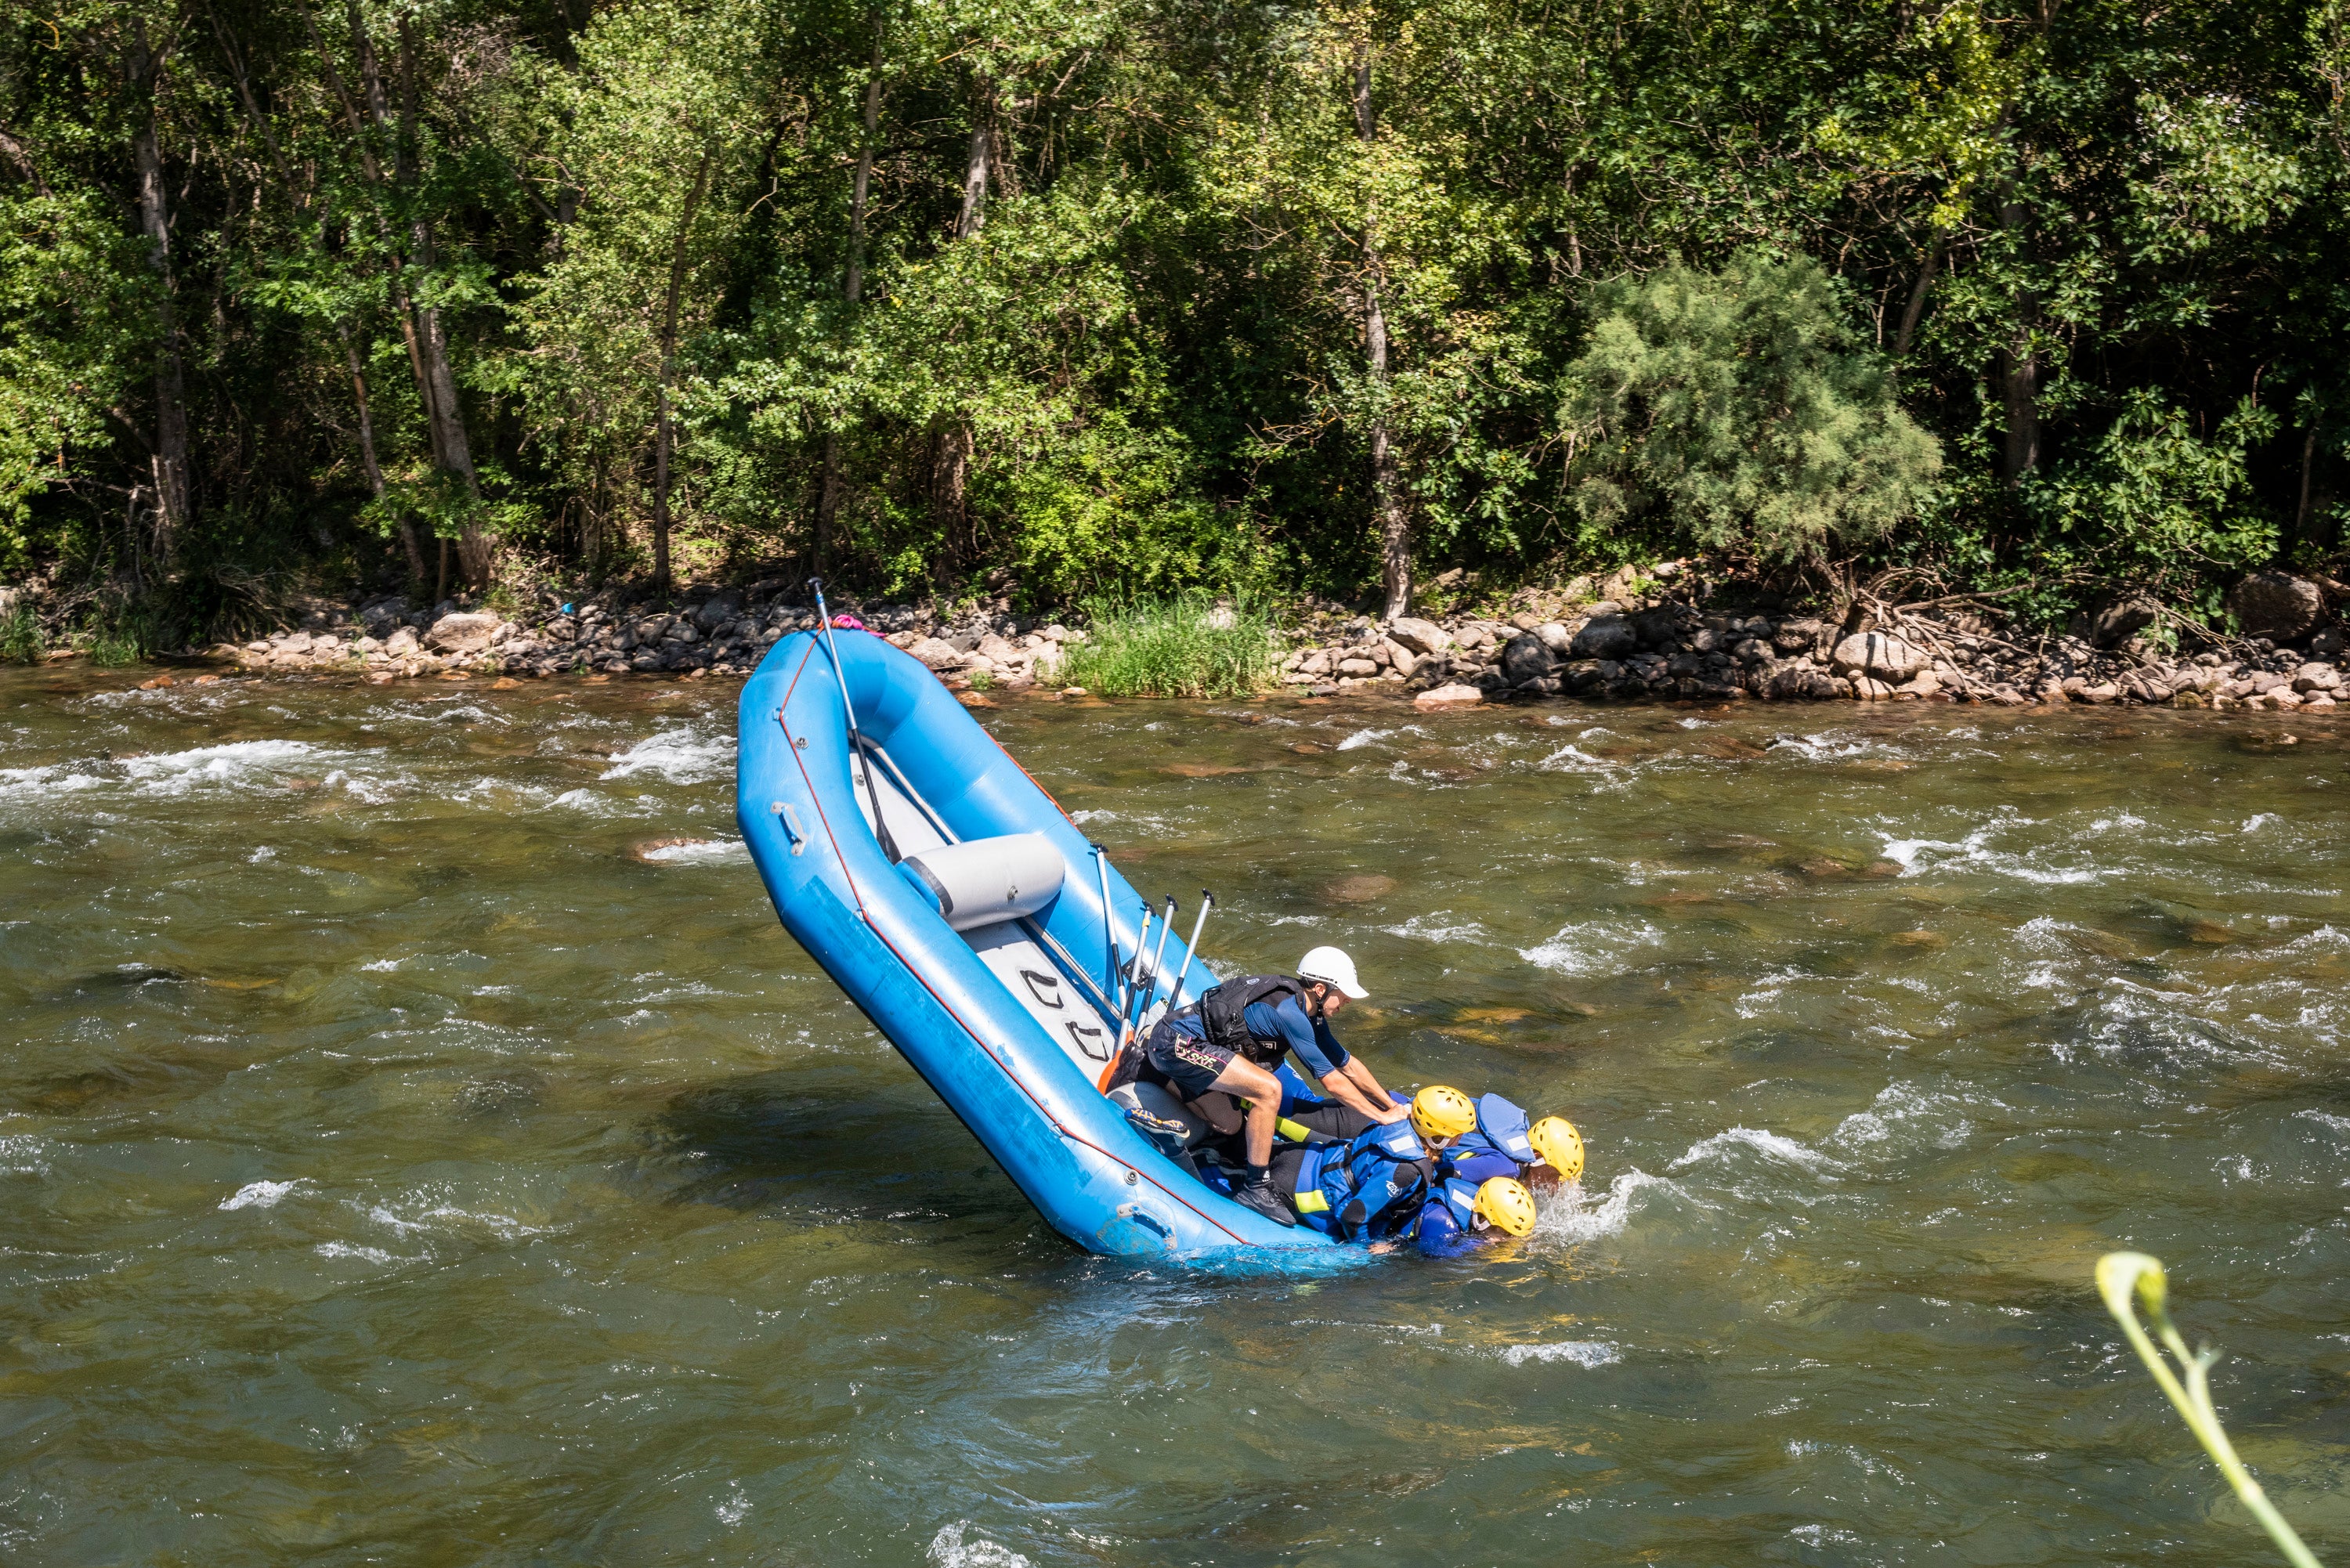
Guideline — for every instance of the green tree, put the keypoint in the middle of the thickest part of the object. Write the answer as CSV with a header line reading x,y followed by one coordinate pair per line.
x,y
1739,410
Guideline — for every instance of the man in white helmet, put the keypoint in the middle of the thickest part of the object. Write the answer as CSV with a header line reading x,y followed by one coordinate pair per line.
x,y
1232,1039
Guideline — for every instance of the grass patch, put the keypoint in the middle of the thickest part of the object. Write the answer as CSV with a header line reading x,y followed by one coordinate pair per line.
x,y
1190,646
114,646
20,636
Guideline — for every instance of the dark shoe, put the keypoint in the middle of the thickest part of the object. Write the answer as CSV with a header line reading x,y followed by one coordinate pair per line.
x,y
1167,1136
1260,1196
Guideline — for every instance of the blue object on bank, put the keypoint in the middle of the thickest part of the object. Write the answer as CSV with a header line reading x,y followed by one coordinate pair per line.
x,y
995,984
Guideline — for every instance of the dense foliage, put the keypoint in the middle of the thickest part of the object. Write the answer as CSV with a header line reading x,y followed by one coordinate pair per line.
x,y
1141,294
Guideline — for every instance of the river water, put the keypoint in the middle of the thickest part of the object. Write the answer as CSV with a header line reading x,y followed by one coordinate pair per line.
x,y
406,1158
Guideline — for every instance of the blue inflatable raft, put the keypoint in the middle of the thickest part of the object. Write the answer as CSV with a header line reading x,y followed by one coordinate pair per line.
x,y
981,948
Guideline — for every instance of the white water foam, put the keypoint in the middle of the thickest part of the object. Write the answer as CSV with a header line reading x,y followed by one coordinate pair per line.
x,y
1902,1110
1917,855
239,764
948,1548
1362,738
1584,1352
1590,947
699,852
679,756
344,1250
1426,928
1581,1219
1776,1146
261,1194
34,782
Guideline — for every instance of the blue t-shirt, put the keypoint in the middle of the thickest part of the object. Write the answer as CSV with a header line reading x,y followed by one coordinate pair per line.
x,y
1308,1038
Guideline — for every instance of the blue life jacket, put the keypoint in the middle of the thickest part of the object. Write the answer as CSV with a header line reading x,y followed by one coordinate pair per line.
x,y
1500,1128
1366,1186
1478,1166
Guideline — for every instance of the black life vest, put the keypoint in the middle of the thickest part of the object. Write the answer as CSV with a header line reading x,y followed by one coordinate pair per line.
x,y
1223,1014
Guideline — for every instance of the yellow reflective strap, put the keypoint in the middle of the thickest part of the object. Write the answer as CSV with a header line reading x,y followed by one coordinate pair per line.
x,y
1295,1132
1311,1201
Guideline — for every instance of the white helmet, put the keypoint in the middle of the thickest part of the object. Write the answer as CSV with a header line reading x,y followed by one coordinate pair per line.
x,y
1332,965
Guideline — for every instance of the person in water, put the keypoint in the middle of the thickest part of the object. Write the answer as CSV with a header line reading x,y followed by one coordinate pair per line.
x,y
1461,1215
1487,1158
1502,1143
1218,1055
1367,1188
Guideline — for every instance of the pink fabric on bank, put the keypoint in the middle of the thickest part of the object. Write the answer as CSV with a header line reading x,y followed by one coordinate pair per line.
x,y
846,623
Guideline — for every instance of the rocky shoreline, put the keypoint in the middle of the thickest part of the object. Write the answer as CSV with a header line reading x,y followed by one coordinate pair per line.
x,y
1610,643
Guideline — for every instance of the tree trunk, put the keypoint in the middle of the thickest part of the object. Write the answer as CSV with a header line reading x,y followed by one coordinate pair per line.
x,y
367,462
420,328
453,452
2019,364
1916,308
1395,524
974,178
168,457
852,290
951,443
663,436
2301,510
406,526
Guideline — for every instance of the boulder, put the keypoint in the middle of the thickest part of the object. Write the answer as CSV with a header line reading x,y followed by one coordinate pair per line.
x,y
1527,658
2277,605
1356,668
1454,696
718,609
298,642
401,643
2315,677
1423,636
1602,637
1555,637
1877,654
2116,621
1399,659
938,654
1619,584
461,634
1795,637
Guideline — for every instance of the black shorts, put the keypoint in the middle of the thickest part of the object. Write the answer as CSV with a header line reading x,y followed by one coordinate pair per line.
x,y
1191,1066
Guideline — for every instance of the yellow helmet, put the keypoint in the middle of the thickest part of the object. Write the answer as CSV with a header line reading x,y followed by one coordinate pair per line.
x,y
1506,1201
1439,1111
1561,1146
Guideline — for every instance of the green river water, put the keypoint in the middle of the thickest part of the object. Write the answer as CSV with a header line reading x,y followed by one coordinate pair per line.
x,y
403,1162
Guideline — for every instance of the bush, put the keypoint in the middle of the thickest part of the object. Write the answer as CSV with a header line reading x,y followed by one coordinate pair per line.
x,y
1738,411
1189,646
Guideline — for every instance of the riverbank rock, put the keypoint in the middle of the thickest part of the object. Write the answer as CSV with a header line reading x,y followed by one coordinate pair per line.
x,y
1421,637
1606,636
2277,605
1526,658
1452,696
1874,653
462,633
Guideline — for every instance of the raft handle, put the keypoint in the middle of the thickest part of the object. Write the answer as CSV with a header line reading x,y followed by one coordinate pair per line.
x,y
792,825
